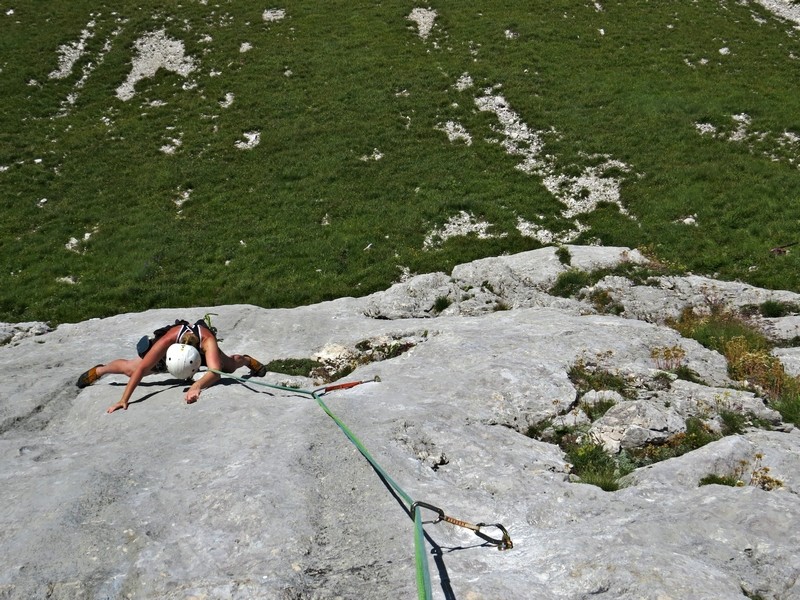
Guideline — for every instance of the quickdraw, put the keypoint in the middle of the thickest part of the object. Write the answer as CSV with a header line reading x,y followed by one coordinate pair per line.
x,y
344,386
504,543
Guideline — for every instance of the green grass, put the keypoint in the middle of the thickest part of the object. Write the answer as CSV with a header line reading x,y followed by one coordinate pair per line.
x,y
294,366
594,466
586,378
729,480
252,230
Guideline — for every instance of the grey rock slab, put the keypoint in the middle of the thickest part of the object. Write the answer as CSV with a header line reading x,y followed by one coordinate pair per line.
x,y
667,296
254,492
781,329
635,424
790,359
694,400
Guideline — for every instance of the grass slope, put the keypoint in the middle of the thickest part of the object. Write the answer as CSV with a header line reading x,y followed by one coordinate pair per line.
x,y
289,221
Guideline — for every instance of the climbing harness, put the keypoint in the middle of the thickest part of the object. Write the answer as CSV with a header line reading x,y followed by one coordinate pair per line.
x,y
414,507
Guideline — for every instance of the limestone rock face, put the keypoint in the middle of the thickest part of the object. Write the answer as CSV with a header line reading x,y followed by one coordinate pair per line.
x,y
635,424
255,492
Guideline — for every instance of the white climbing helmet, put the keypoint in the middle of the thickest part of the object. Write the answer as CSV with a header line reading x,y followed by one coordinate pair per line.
x,y
183,360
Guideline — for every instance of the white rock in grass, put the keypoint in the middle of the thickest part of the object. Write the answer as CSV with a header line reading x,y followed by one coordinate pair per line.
x,y
155,51
455,131
464,82
71,53
461,224
376,155
251,140
272,15
424,18
229,97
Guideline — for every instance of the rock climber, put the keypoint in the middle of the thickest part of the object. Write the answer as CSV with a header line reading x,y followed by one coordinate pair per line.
x,y
152,359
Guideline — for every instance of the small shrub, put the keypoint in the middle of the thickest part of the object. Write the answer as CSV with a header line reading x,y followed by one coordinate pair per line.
x,y
668,358
733,423
772,309
441,303
761,478
569,283
564,256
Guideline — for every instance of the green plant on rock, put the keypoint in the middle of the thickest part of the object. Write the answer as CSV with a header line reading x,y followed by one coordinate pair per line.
x,y
772,309
685,373
593,465
733,423
569,283
760,477
301,367
586,378
729,480
716,329
755,365
668,358
749,357
604,303
441,303
564,256
756,474
696,436
596,410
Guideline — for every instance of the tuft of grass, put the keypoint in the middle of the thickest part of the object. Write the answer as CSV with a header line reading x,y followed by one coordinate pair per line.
x,y
302,367
596,410
718,328
729,480
687,374
594,466
604,303
564,256
749,358
586,378
570,282
441,303
788,405
733,423
776,308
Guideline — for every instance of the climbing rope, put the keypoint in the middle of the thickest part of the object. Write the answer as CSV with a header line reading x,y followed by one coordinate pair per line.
x,y
421,558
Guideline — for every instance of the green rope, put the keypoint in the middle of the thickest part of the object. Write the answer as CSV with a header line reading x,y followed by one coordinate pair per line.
x,y
421,557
